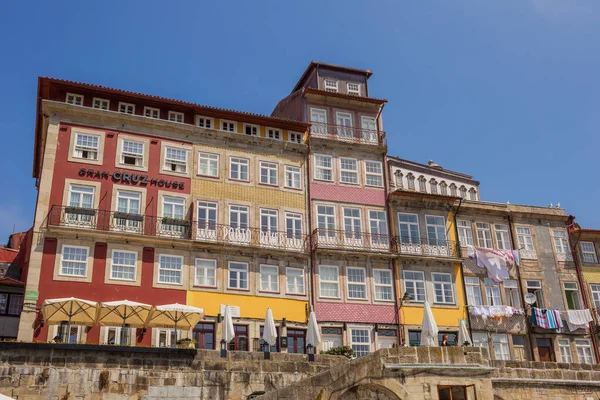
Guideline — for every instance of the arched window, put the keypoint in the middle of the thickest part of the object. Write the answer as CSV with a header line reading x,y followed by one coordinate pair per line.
x,y
434,186
463,192
452,189
410,179
443,188
422,184
398,175
473,194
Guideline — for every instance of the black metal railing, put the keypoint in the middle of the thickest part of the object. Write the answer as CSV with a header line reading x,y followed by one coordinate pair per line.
x,y
348,134
350,240
425,246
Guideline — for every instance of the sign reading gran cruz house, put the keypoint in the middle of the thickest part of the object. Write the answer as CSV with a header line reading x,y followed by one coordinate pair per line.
x,y
130,178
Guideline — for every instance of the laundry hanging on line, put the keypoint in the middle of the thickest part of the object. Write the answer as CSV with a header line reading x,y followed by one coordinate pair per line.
x,y
547,319
578,319
486,312
496,262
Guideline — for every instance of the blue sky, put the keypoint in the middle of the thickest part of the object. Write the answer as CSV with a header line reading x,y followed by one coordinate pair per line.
x,y
507,91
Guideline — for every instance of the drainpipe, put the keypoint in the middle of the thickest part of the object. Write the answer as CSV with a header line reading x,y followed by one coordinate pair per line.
x,y
515,245
393,260
575,255
462,269
313,253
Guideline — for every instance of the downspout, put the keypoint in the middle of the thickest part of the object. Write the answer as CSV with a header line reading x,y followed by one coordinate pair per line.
x,y
393,260
312,252
462,269
575,255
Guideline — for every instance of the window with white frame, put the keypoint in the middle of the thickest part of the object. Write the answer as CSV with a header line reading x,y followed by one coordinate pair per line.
x,y
436,230
349,170
118,335
268,173
473,291
173,208
525,238
465,233
207,216
442,288
151,112
463,192
123,265
357,283
414,284
175,160
331,85
206,272
595,289
268,220
269,278
433,186
535,287
318,120
410,180
484,235
382,281
492,293
74,261
86,146
323,168
294,278
353,88
352,223
480,339
126,108
329,281
238,275
378,228
360,341
502,237
170,269
422,184
408,228
511,291
374,173
326,220
443,188
128,203
584,351
501,349
588,252
559,236
80,196
228,126
175,116
293,226
572,295
251,130
238,217
208,164
132,153
204,122
238,168
75,99
344,124
101,104
295,137
274,134
453,189
564,347
292,177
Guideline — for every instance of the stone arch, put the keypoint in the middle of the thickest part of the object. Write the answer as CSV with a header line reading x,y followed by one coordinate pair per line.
x,y
369,391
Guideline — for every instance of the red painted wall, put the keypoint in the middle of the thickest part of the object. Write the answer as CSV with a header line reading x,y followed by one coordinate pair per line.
x,y
364,313
345,194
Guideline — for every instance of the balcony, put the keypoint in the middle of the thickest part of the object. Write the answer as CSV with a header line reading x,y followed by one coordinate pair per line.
x,y
144,225
424,246
348,134
348,240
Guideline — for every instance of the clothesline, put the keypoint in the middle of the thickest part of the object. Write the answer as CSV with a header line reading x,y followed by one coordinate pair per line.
x,y
486,312
496,262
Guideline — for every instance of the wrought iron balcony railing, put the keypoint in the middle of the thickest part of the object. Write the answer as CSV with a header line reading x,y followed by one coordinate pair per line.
x,y
425,246
348,134
349,240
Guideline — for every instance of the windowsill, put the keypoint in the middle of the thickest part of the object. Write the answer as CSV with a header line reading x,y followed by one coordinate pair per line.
x,y
374,186
133,167
293,188
168,283
84,160
204,286
323,180
296,294
329,297
73,276
268,184
175,173
207,176
269,292
239,180
238,289
349,183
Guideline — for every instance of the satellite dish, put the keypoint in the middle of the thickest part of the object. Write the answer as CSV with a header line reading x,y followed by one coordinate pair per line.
x,y
530,298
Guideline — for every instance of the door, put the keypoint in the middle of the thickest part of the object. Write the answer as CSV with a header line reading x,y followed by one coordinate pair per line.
x,y
296,341
545,349
318,119
344,123
207,221
238,222
204,334
369,129
128,203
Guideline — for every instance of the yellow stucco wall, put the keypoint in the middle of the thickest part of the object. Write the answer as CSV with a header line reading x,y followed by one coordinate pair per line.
x,y
263,129
591,274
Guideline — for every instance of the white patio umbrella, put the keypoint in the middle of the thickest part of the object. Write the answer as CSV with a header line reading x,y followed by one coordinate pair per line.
x,y
313,335
124,312
228,331
270,332
70,309
3,397
429,329
179,315
463,333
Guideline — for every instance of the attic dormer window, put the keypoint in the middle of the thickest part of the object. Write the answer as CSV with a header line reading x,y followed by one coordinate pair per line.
x,y
331,85
354,89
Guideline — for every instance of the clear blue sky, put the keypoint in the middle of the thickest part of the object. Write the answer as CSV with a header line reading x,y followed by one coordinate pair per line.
x,y
507,91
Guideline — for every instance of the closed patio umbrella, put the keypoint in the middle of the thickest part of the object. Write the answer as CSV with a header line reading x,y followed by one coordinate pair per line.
x,y
73,310
313,335
270,332
429,329
228,332
178,315
463,333
124,313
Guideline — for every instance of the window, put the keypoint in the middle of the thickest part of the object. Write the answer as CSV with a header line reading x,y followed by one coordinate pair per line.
x,y
123,265
595,289
352,223
292,177
207,215
501,349
268,173
442,288
205,336
238,168
472,194
572,295
535,287
80,197
344,124
433,186
118,335
369,129
269,278
382,280
126,108
86,146
349,170
329,281
484,234
175,160
465,233
75,99
584,351
264,345
176,117
129,206
295,137
519,348
204,122
492,293
560,241
132,153
408,228
374,173
251,130
565,351
414,284
3,303
588,252
274,134
452,189
101,104
15,304
414,338
323,168
326,220
525,238
294,278
502,238
378,228
206,272
170,269
422,184
443,188
463,192
241,339
473,291
511,291
410,179
480,339
353,89
228,126
68,334
173,208
331,85
151,112
436,230
457,392
360,341
293,226
74,261
208,164
238,217
318,120
268,221
357,283
238,275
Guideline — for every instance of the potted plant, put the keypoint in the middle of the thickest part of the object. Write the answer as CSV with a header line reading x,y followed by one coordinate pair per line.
x,y
186,343
175,221
345,351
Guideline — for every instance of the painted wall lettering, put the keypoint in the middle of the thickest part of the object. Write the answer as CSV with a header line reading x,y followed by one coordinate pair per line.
x,y
130,178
